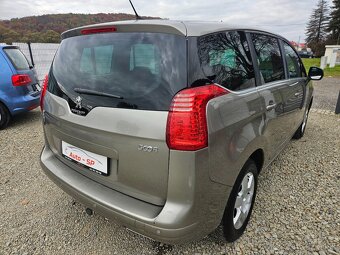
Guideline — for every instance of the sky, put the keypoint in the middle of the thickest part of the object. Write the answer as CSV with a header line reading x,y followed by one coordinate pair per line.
x,y
285,17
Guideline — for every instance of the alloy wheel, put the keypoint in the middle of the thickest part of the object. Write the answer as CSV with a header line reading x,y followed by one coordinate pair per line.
x,y
304,122
244,200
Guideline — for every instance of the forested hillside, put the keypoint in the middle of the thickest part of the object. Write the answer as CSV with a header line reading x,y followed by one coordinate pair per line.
x,y
47,28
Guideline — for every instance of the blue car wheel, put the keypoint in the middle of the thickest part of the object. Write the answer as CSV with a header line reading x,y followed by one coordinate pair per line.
x,y
4,116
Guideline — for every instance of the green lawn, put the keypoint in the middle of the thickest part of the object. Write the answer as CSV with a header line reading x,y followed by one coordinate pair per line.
x,y
308,62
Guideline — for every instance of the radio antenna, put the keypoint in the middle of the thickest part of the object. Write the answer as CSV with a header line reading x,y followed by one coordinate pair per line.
x,y
137,16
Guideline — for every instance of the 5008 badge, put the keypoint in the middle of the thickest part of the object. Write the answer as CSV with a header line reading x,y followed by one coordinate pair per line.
x,y
147,148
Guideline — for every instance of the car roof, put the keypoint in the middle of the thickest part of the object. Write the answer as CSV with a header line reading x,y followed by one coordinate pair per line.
x,y
8,47
186,28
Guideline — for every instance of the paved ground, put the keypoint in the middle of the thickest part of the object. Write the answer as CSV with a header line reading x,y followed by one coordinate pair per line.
x,y
296,211
327,93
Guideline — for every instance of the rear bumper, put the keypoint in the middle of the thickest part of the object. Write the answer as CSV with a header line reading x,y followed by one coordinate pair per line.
x,y
22,104
184,217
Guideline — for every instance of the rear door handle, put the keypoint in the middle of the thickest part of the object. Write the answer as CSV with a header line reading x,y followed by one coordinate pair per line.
x,y
271,106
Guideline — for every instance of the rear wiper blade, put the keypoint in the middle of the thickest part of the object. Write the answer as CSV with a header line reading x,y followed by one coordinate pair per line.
x,y
96,93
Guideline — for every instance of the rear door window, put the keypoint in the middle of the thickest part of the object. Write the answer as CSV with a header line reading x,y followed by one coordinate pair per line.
x,y
269,57
17,58
225,59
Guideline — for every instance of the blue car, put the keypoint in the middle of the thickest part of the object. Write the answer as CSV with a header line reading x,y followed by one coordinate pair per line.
x,y
19,85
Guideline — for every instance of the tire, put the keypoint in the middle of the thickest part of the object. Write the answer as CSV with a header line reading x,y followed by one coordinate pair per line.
x,y
301,130
4,116
235,220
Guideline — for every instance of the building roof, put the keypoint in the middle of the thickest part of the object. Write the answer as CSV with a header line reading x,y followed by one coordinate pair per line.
x,y
295,44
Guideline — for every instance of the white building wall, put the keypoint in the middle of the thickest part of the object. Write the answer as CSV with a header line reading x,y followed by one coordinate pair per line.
x,y
330,50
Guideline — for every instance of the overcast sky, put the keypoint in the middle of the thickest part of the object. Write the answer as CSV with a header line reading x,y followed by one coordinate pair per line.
x,y
285,17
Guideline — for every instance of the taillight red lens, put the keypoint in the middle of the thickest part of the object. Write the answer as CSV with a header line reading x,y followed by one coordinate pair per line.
x,y
21,79
187,122
98,30
43,92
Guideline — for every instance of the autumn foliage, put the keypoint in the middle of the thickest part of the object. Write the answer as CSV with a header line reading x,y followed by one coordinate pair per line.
x,y
47,28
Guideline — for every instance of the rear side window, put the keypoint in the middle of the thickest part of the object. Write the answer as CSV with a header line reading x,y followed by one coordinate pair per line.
x,y
145,70
293,62
225,59
269,58
17,58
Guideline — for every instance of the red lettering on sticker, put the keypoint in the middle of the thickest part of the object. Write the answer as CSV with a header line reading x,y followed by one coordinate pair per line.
x,y
90,162
75,157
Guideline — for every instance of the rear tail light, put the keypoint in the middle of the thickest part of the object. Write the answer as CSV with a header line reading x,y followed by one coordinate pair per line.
x,y
187,122
21,79
98,30
43,92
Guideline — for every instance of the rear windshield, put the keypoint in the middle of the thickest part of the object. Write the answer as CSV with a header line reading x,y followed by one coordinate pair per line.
x,y
144,69
17,58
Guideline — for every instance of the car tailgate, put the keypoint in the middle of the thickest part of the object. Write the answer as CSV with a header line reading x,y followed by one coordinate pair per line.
x,y
133,141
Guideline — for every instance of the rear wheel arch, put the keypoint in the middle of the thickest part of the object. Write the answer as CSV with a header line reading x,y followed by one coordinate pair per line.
x,y
258,157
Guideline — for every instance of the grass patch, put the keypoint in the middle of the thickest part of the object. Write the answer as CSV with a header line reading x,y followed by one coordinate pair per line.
x,y
335,72
308,62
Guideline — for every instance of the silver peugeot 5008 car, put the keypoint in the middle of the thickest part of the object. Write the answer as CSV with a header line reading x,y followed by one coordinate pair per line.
x,y
165,125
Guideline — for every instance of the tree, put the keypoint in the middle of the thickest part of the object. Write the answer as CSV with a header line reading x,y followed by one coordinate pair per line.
x,y
3,30
317,26
7,35
334,23
32,37
51,36
47,28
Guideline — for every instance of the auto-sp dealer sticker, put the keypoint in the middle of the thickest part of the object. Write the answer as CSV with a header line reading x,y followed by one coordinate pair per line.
x,y
92,161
